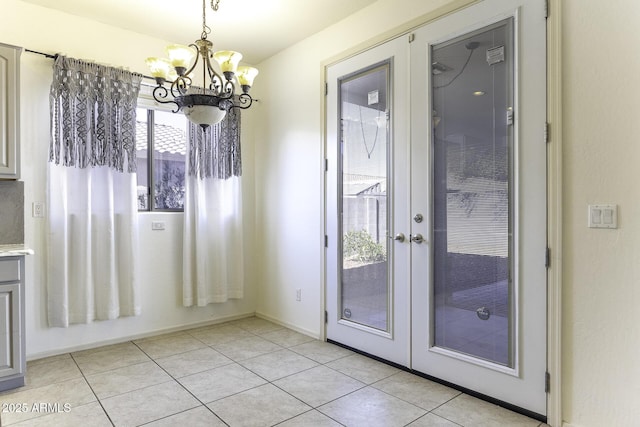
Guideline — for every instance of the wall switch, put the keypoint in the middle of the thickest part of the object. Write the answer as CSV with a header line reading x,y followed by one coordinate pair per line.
x,y
157,225
603,216
298,294
37,209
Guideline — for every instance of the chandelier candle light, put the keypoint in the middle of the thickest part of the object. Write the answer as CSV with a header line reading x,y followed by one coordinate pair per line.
x,y
203,106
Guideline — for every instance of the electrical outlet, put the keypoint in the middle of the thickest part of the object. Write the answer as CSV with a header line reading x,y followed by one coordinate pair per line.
x,y
37,209
298,294
157,225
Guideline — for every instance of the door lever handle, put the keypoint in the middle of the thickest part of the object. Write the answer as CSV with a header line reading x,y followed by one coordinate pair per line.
x,y
417,238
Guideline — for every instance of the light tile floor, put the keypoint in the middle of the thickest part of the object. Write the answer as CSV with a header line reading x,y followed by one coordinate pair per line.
x,y
249,372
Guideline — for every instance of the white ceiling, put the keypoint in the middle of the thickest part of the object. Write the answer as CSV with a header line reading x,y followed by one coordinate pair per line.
x,y
257,28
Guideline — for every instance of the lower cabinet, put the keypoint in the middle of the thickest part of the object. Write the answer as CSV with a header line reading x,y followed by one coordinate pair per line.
x,y
12,339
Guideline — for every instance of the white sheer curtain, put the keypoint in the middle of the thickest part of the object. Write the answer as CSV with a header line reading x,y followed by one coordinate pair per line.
x,y
213,254
91,194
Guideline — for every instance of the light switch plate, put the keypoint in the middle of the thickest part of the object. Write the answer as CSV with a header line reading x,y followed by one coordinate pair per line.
x,y
603,216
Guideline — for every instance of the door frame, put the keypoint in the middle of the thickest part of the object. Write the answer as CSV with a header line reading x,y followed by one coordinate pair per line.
x,y
554,180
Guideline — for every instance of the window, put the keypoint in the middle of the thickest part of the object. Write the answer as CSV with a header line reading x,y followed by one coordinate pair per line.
x,y
161,144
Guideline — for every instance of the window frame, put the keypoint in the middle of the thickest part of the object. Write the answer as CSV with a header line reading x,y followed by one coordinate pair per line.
x,y
146,102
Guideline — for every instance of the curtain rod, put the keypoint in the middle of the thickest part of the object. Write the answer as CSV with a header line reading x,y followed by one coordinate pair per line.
x,y
50,56
47,55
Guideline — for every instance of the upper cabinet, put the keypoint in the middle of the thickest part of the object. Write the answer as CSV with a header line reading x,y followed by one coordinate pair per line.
x,y
9,111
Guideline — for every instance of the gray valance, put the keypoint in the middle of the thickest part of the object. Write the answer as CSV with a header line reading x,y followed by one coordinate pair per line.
x,y
93,115
216,152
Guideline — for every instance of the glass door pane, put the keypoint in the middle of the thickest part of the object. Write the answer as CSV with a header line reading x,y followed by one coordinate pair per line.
x,y
472,95
363,197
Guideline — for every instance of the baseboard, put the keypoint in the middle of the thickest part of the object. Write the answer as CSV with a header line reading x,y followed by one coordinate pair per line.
x,y
296,328
95,344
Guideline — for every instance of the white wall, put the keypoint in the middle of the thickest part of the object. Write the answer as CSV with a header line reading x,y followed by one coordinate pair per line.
x,y
160,262
289,149
601,284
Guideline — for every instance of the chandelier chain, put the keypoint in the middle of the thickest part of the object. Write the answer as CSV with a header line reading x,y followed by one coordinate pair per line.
x,y
215,4
205,28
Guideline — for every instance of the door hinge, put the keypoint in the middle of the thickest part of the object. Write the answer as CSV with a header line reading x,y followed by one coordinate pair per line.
x,y
326,241
547,258
547,381
326,316
326,88
412,37
546,132
510,115
326,165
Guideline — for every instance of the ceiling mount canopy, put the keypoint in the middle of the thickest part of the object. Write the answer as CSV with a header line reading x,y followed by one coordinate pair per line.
x,y
209,104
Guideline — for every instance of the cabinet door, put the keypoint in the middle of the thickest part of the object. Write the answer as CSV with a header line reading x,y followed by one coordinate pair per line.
x,y
10,333
9,111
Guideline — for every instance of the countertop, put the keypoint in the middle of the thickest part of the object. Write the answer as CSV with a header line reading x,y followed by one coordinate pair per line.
x,y
15,250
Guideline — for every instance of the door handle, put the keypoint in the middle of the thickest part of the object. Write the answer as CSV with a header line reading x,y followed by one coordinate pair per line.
x,y
399,237
417,238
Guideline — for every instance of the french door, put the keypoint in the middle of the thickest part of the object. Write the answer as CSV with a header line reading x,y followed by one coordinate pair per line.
x,y
436,201
367,199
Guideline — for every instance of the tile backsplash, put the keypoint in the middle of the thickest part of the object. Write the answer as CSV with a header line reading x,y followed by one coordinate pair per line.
x,y
11,212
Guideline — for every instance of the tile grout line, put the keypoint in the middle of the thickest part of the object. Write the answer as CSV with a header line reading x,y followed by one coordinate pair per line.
x,y
82,376
313,408
316,408
175,380
92,390
444,403
239,363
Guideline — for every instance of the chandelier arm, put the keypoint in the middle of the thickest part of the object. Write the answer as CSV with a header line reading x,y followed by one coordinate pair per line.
x,y
180,85
216,84
160,94
244,101
229,89
195,63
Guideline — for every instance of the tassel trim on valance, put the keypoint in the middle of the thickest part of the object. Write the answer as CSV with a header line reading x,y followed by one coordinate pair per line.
x,y
215,153
93,115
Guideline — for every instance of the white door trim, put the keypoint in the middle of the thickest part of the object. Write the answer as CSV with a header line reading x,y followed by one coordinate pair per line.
x,y
554,212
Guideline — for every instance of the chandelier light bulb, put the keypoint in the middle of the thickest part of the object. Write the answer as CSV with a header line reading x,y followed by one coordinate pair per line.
x,y
180,56
228,60
160,67
246,75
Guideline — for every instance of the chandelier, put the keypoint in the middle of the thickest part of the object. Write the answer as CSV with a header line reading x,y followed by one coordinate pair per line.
x,y
209,104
